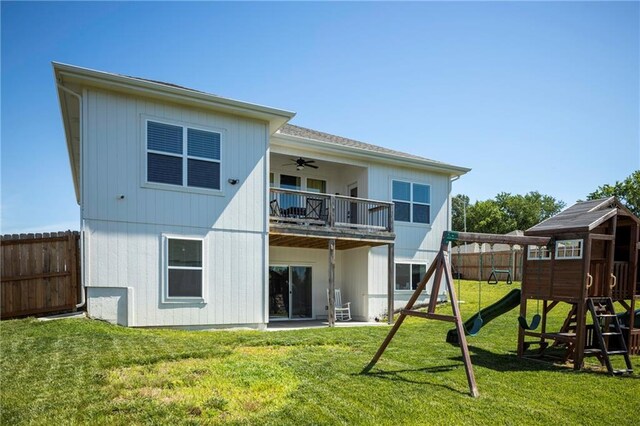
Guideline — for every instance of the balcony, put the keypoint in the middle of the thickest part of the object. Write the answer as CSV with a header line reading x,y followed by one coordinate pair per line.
x,y
308,219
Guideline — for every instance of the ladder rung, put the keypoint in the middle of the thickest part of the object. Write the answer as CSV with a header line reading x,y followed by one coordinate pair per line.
x,y
616,352
592,351
625,371
605,315
612,334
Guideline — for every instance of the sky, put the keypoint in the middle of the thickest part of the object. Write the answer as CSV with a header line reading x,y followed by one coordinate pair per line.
x,y
533,96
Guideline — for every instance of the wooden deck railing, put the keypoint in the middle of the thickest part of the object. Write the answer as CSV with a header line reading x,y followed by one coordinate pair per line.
x,y
334,211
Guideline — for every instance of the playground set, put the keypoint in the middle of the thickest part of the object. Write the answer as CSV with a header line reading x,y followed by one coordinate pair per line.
x,y
586,257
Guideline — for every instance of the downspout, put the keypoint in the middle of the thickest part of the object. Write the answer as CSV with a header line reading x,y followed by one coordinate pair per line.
x,y
449,205
450,212
83,296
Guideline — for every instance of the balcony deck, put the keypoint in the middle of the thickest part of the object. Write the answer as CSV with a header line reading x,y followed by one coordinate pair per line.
x,y
309,219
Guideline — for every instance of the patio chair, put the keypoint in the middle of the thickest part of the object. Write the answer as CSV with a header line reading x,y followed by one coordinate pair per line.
x,y
275,208
315,209
343,311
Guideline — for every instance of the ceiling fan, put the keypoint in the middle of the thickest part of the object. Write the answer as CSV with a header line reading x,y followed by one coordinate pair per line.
x,y
301,163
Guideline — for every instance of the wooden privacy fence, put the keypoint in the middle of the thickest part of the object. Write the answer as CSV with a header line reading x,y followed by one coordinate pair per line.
x,y
40,273
469,264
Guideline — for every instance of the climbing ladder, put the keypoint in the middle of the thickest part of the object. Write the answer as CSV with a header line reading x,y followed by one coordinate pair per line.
x,y
606,325
567,334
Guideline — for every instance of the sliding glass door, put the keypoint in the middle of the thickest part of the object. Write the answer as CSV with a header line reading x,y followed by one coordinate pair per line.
x,y
290,292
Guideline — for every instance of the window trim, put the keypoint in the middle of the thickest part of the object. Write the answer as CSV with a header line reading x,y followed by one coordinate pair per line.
x,y
411,264
580,242
202,299
536,257
411,202
145,183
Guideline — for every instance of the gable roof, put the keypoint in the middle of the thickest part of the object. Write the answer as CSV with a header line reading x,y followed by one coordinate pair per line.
x,y
309,135
581,217
71,76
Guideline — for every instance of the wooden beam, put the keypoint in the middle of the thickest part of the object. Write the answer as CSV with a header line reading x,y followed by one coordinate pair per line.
x,y
435,288
391,273
427,315
476,237
523,314
462,339
288,240
603,237
332,283
581,310
550,306
331,232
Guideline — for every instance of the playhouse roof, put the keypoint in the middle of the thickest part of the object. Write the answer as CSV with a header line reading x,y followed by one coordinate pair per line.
x,y
582,217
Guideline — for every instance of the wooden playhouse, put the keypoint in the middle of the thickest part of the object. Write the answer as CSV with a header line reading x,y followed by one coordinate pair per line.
x,y
590,263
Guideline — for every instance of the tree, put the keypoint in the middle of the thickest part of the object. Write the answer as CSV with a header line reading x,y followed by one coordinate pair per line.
x,y
486,216
527,210
505,213
458,207
627,191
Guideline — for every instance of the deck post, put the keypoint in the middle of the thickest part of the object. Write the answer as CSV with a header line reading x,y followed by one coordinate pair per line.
x,y
581,320
390,280
332,282
523,314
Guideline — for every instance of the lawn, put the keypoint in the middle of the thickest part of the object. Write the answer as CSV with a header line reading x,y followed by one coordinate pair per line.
x,y
83,371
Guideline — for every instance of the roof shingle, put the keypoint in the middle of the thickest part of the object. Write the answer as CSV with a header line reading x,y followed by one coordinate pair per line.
x,y
302,132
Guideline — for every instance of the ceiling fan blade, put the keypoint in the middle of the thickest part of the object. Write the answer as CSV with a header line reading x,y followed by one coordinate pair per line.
x,y
311,165
309,161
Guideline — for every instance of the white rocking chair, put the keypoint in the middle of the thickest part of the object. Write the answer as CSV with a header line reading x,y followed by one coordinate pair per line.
x,y
343,311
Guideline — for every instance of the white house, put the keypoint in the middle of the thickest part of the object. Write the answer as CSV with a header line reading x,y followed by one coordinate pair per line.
x,y
201,211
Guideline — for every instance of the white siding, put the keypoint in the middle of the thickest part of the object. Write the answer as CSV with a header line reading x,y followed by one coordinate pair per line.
x,y
417,243
354,273
123,236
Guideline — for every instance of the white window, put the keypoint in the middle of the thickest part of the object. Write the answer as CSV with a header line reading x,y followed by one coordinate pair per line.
x,y
409,275
184,272
569,249
412,202
539,253
317,185
182,156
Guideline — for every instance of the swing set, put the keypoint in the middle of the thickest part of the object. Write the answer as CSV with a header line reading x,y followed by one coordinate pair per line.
x,y
493,276
439,269
478,320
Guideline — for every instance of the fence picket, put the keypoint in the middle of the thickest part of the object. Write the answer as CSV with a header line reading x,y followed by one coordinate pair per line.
x,y
40,273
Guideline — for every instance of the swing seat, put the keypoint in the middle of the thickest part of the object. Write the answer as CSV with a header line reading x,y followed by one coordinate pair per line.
x,y
493,277
535,322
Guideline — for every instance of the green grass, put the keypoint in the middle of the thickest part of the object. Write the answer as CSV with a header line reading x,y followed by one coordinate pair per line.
x,y
82,371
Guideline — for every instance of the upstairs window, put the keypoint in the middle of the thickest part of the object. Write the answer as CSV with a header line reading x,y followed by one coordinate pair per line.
x,y
183,156
569,249
412,202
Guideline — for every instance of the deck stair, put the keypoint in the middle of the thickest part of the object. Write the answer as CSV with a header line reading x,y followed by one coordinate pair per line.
x,y
606,328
